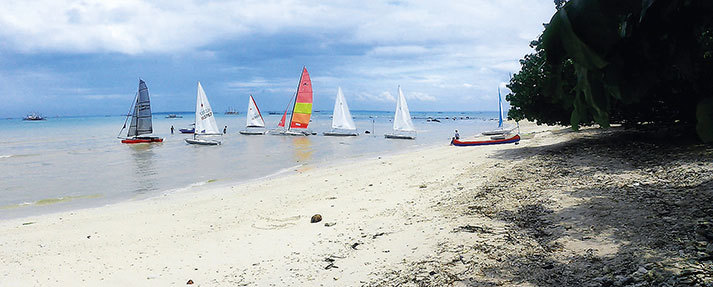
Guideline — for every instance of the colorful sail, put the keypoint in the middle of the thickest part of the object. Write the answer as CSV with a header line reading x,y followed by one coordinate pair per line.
x,y
500,105
341,117
141,117
254,118
205,121
402,117
302,110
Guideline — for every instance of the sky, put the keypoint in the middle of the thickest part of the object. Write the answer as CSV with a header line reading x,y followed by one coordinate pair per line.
x,y
64,57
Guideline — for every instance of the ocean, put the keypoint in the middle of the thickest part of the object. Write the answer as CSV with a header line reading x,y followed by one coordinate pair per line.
x,y
65,163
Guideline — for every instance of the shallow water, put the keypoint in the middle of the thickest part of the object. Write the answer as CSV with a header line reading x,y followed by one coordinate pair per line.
x,y
72,162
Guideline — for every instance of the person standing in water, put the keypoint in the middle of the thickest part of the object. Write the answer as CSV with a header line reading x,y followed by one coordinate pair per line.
x,y
225,130
171,129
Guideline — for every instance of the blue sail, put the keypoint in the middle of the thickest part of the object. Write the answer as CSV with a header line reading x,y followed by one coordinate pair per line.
x,y
500,105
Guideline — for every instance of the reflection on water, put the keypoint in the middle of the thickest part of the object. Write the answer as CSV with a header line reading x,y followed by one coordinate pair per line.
x,y
143,156
303,148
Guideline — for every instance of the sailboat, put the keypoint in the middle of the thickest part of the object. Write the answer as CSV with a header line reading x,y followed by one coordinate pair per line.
x,y
501,130
255,125
301,110
205,121
342,122
403,126
140,119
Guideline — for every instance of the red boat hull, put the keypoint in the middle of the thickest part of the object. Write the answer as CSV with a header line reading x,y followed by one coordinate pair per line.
x,y
141,140
514,139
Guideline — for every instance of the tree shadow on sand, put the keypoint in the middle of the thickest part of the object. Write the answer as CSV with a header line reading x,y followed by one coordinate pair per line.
x,y
611,209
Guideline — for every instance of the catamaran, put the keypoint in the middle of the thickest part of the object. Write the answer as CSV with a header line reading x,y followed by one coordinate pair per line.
x,y
403,125
342,122
255,125
501,130
140,119
205,121
301,110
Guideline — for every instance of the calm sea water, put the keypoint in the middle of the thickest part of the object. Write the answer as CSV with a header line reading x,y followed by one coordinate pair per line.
x,y
71,162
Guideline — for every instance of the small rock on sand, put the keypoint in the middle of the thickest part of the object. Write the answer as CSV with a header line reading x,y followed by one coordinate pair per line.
x,y
316,218
190,282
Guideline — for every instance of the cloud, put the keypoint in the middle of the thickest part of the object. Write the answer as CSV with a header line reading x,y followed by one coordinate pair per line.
x,y
420,97
382,97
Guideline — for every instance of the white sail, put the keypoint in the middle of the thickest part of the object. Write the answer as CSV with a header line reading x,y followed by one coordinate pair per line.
x,y
205,121
254,118
341,117
402,118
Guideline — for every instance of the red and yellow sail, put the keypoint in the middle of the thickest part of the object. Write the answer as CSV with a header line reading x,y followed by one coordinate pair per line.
x,y
302,110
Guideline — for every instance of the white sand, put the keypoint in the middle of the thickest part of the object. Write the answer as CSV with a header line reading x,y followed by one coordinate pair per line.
x,y
257,233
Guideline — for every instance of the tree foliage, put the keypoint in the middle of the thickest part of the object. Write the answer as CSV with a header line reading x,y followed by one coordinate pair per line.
x,y
625,61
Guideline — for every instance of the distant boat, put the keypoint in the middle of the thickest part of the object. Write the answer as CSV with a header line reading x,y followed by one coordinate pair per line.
x,y
174,116
205,121
140,119
255,125
342,121
501,130
403,125
189,131
301,110
34,117
231,111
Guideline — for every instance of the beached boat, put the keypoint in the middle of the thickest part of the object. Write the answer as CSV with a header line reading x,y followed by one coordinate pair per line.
x,y
254,125
403,125
301,110
33,117
205,121
342,121
492,141
140,119
501,130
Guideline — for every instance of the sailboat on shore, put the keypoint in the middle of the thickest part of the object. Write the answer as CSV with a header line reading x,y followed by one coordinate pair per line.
x,y
342,121
501,130
301,110
140,119
403,125
255,125
205,121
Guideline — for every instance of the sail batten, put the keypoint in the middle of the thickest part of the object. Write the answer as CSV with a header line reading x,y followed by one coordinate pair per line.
x,y
341,117
402,117
141,116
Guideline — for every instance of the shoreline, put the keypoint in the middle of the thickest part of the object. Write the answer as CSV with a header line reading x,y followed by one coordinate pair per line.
x,y
443,215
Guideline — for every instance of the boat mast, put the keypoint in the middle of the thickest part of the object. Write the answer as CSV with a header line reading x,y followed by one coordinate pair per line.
x,y
127,115
296,95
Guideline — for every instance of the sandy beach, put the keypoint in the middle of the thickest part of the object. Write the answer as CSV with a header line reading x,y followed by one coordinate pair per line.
x,y
561,208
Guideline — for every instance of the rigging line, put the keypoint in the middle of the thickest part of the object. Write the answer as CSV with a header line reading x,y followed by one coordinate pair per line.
x,y
128,114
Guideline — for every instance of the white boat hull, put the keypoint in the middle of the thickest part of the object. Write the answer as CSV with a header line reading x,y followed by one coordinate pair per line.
x,y
340,134
398,136
252,133
202,142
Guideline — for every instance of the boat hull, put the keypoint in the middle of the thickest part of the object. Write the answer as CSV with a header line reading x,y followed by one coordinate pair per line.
x,y
202,142
252,133
291,133
514,139
340,134
142,140
400,137
187,131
